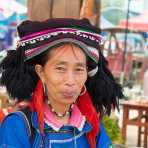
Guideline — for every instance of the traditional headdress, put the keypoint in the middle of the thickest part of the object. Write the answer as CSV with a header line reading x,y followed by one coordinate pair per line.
x,y
37,37
20,78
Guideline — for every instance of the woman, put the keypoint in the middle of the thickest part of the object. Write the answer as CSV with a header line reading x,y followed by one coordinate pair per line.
x,y
58,66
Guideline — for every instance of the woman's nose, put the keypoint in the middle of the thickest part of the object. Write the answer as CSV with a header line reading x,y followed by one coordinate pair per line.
x,y
70,78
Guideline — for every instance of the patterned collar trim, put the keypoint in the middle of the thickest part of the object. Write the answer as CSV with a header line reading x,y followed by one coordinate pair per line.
x,y
77,119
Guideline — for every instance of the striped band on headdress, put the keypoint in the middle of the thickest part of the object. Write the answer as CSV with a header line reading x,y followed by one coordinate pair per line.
x,y
39,42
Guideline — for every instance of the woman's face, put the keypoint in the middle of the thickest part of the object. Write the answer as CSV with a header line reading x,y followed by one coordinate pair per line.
x,y
64,74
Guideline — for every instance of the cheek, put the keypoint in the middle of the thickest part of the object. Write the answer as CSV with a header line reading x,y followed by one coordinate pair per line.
x,y
54,80
81,80
52,84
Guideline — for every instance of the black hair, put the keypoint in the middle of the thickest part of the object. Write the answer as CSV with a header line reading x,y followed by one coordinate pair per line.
x,y
20,79
103,88
18,74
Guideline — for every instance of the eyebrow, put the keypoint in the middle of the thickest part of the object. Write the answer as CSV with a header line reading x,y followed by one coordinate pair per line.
x,y
81,64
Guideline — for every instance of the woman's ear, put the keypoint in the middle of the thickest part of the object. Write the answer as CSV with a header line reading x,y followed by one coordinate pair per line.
x,y
40,72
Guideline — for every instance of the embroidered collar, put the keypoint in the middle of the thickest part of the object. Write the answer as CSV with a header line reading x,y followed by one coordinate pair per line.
x,y
77,119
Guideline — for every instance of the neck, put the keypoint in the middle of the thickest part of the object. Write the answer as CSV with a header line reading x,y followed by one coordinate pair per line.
x,y
59,108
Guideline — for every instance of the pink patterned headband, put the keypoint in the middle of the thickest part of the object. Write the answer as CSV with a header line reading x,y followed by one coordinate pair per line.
x,y
46,34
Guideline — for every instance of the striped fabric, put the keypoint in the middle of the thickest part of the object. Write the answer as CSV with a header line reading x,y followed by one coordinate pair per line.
x,y
35,43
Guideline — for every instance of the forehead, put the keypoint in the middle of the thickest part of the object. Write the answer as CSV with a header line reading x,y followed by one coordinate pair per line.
x,y
67,52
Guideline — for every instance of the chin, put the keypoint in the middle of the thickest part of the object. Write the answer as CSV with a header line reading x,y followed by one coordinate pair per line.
x,y
68,101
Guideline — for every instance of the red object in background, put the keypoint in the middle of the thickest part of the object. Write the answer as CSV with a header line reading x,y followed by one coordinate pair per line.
x,y
115,62
13,24
4,112
138,23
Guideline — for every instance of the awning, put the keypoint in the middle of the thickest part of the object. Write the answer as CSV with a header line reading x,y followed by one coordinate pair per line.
x,y
139,23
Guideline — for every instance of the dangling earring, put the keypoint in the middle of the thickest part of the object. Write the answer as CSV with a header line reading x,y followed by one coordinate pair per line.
x,y
44,89
83,91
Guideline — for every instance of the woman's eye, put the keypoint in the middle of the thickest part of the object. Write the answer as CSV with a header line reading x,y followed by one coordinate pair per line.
x,y
80,69
60,68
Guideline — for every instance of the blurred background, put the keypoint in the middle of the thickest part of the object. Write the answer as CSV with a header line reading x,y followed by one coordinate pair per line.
x,y
124,26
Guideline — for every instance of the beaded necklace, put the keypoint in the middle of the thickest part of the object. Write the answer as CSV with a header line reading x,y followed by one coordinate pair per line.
x,y
67,113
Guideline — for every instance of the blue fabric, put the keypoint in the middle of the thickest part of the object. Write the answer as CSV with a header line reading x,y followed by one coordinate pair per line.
x,y
103,141
14,133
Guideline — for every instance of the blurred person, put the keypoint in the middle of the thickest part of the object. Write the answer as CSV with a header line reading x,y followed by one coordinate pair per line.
x,y
12,105
4,112
59,69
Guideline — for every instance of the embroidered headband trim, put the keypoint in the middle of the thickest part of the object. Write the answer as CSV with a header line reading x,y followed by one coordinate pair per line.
x,y
90,51
46,34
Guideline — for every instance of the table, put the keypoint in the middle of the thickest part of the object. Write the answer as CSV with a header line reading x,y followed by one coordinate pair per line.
x,y
141,121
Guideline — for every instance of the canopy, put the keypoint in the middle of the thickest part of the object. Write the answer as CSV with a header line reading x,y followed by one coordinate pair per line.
x,y
139,23
16,18
13,20
11,6
104,23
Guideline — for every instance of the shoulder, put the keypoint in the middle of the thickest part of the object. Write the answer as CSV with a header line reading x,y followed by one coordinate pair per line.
x,y
15,119
14,129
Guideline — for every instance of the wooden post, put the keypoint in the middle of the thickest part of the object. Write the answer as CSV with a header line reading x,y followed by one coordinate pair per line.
x,y
125,117
66,8
87,11
98,12
39,9
44,9
146,130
